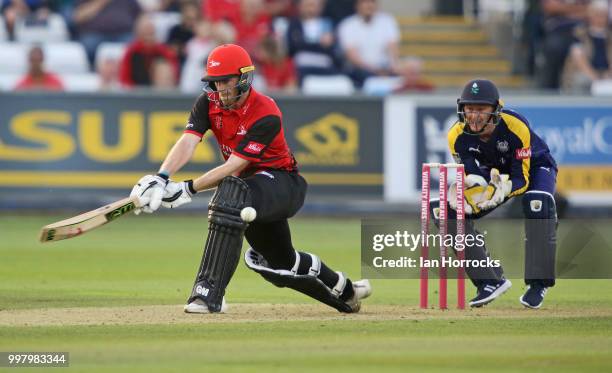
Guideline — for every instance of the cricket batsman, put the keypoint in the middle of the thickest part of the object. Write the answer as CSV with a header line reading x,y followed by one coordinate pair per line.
x,y
257,189
503,158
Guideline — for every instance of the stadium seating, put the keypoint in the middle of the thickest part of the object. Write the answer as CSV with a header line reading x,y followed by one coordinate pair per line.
x,y
381,85
337,85
109,50
69,57
602,88
50,30
14,58
8,81
88,82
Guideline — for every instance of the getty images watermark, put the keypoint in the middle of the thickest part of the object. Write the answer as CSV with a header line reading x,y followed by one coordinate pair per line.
x,y
393,248
411,243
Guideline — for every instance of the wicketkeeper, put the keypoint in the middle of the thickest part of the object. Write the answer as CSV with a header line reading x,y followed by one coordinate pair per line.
x,y
504,158
257,189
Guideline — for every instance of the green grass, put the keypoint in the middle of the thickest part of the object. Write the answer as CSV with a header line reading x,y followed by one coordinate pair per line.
x,y
152,260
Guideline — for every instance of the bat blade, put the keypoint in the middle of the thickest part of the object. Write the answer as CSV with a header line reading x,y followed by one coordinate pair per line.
x,y
87,221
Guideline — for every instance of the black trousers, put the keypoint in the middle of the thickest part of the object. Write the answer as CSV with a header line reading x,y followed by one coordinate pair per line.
x,y
276,196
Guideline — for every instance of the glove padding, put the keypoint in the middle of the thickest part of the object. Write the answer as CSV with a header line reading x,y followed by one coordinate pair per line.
x,y
178,193
149,190
501,187
475,192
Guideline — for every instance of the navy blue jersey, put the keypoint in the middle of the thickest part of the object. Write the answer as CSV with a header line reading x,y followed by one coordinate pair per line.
x,y
513,149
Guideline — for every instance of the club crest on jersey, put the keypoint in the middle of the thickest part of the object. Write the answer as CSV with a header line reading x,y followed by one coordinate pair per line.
x,y
254,147
535,205
523,153
502,146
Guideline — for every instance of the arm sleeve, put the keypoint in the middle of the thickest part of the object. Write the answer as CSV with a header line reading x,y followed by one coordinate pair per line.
x,y
258,138
199,122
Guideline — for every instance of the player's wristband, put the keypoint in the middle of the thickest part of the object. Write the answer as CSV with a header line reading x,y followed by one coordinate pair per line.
x,y
164,175
190,186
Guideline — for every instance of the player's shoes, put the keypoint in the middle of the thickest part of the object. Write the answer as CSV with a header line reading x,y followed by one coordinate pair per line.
x,y
488,292
199,306
362,289
534,296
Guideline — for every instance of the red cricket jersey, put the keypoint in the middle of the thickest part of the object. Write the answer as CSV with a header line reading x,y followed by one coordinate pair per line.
x,y
253,132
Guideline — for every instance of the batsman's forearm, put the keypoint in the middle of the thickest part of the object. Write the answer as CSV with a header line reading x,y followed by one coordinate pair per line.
x,y
178,156
211,179
233,166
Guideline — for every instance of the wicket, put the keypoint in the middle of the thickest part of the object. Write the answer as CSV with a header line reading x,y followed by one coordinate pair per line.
x,y
443,218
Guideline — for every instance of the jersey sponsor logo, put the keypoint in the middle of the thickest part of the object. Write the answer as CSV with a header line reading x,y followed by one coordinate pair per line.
x,y
502,146
189,126
523,153
476,149
254,147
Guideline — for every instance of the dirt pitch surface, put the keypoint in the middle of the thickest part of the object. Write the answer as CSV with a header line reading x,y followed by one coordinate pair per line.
x,y
243,313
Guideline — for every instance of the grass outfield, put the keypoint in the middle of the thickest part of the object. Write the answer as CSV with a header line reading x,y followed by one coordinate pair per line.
x,y
113,297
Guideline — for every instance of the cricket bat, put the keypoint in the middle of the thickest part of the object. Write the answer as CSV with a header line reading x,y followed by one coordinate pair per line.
x,y
87,221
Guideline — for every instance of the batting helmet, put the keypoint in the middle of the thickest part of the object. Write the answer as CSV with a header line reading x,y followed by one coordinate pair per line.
x,y
224,62
480,91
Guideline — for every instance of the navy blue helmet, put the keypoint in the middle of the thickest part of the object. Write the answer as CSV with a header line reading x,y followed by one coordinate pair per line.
x,y
480,91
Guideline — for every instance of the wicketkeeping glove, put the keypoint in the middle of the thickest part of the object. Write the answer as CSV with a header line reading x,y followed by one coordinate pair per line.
x,y
150,190
475,190
177,194
501,186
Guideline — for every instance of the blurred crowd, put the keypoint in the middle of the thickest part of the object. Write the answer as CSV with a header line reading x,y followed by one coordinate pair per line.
x,y
163,44
310,46
569,44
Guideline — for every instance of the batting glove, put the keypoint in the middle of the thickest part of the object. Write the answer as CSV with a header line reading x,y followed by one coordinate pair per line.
x,y
178,194
149,190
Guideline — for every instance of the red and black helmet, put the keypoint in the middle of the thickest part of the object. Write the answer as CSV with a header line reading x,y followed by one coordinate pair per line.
x,y
224,62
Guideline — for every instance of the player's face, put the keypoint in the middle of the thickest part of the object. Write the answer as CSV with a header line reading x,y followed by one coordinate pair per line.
x,y
228,92
478,116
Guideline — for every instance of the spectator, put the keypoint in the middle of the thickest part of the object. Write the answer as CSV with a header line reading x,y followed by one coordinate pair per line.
x,y
252,24
207,36
560,18
108,75
97,21
311,41
370,42
180,34
590,56
275,67
163,75
137,64
37,78
14,9
411,72
338,10
220,10
280,8
229,10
